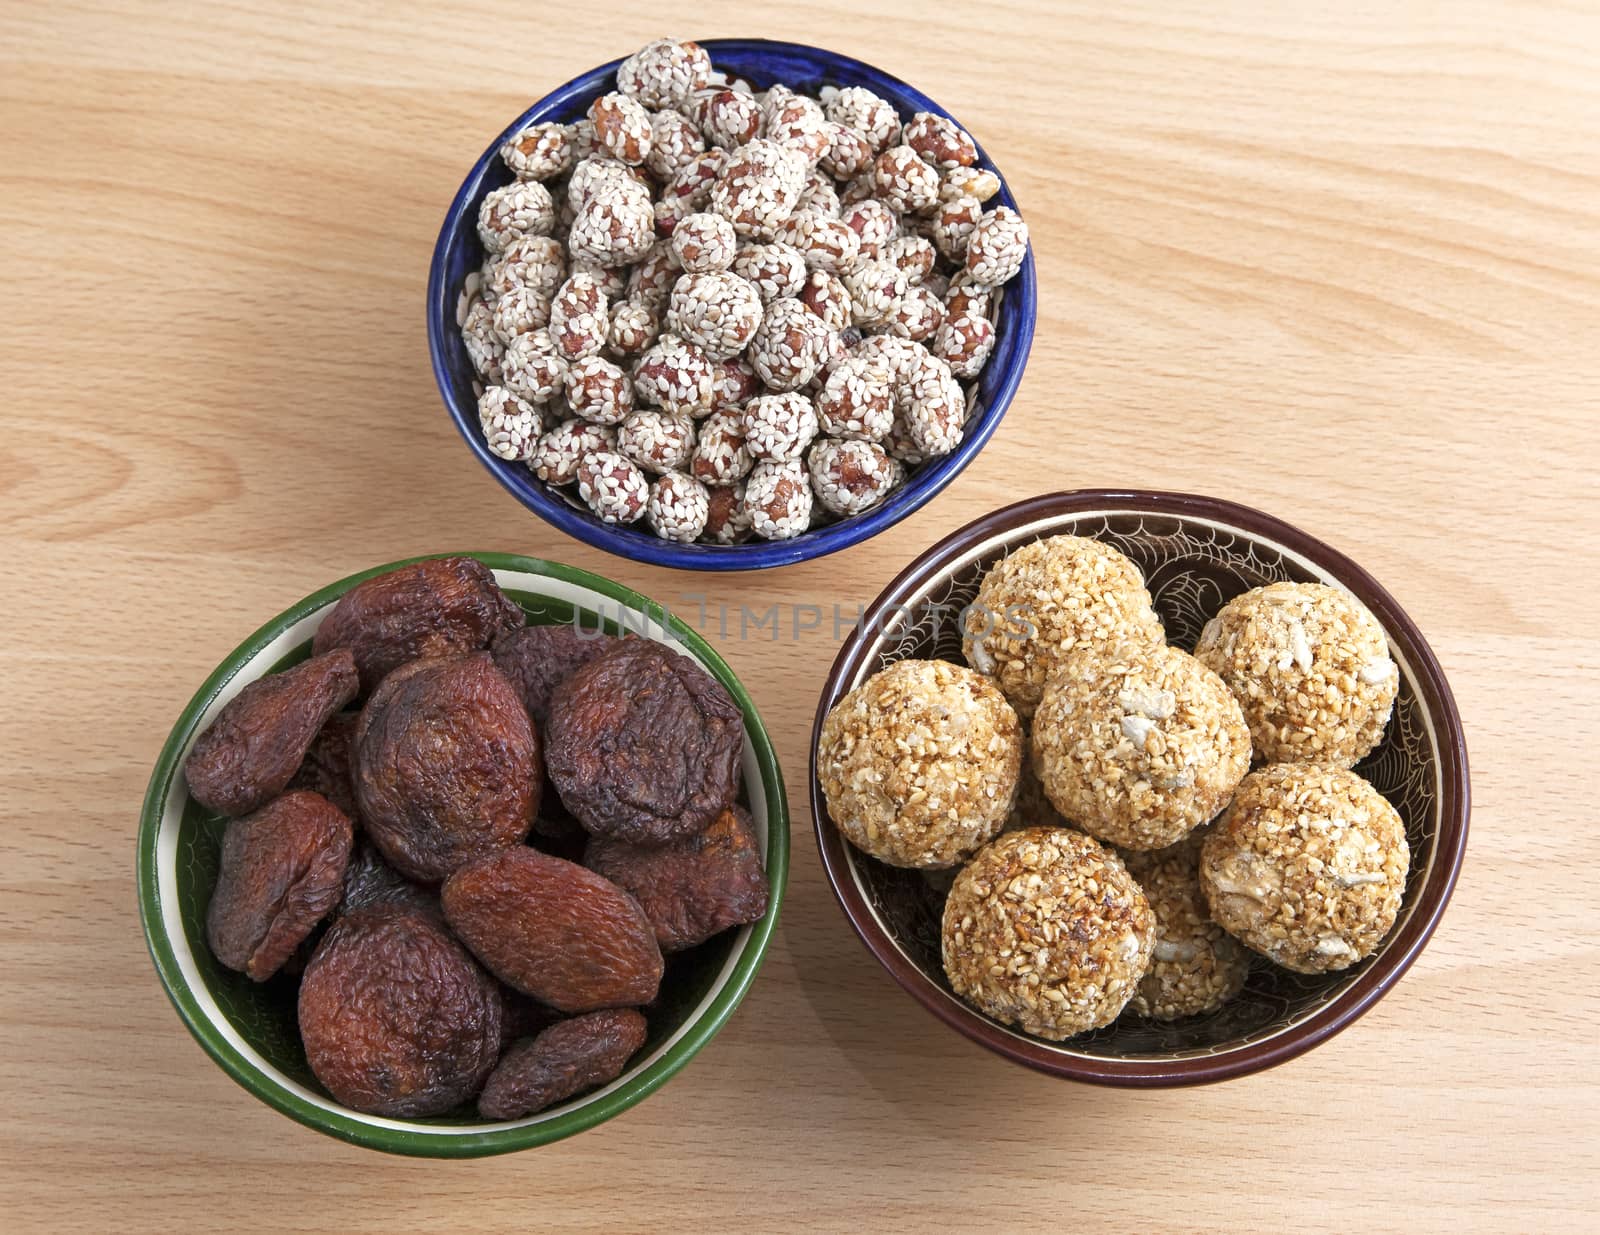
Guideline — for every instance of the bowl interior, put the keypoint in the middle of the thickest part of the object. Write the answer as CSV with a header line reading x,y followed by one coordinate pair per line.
x,y
460,253
250,1027
1194,563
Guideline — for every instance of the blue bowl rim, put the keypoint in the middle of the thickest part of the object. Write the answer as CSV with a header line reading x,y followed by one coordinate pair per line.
x,y
751,555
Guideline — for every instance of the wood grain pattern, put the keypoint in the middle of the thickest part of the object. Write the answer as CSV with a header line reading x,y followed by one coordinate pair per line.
x,y
1341,262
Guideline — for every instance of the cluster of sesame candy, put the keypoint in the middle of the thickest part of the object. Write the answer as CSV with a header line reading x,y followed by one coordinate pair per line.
x,y
727,312
1130,859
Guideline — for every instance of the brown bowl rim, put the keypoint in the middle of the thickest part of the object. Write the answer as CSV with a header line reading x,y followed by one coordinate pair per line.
x,y
1374,982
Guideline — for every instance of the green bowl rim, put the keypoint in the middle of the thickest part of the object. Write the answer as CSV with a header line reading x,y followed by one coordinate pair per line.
x,y
349,1127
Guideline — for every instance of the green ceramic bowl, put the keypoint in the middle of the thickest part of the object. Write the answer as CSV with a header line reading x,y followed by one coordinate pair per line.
x,y
249,1028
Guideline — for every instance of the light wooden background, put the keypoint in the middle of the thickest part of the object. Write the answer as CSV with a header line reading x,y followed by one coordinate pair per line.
x,y
1338,261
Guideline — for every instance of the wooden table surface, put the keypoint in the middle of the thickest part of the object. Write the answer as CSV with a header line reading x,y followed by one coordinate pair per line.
x,y
1339,262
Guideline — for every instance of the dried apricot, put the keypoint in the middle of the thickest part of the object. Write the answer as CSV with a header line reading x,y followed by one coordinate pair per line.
x,y
431,608
256,744
282,871
643,744
553,930
396,1017
540,659
447,765
561,1062
691,889
326,767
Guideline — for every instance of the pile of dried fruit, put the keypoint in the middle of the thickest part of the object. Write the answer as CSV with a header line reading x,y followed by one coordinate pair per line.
x,y
733,312
1093,785
384,854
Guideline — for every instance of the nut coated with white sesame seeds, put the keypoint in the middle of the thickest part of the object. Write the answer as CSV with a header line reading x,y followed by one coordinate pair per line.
x,y
716,311
919,763
779,500
1307,867
851,477
779,427
678,507
614,487
510,425
1045,930
1046,599
1310,665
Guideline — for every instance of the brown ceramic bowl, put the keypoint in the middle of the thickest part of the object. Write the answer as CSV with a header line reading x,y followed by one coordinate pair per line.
x,y
1196,553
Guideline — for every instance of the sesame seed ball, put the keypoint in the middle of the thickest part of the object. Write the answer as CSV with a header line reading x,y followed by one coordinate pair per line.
x,y
900,447
621,127
675,376
915,255
919,763
598,391
521,208
534,369
875,286
613,227
869,114
787,347
1047,598
555,458
678,507
539,152
939,140
779,427
1045,930
612,486
665,72
965,343
757,188
819,195
857,400
518,310
933,407
721,456
1308,867
1138,744
650,282
778,271
578,320
1311,667
904,181
731,118
969,182
703,242
851,477
538,262
634,327
827,244
656,442
674,141
735,383
918,316
847,153
778,497
727,519
953,224
484,346
717,312
997,247
510,425
826,296
1196,966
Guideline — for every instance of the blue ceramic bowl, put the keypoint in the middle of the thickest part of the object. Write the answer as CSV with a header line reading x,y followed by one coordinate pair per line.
x,y
459,253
